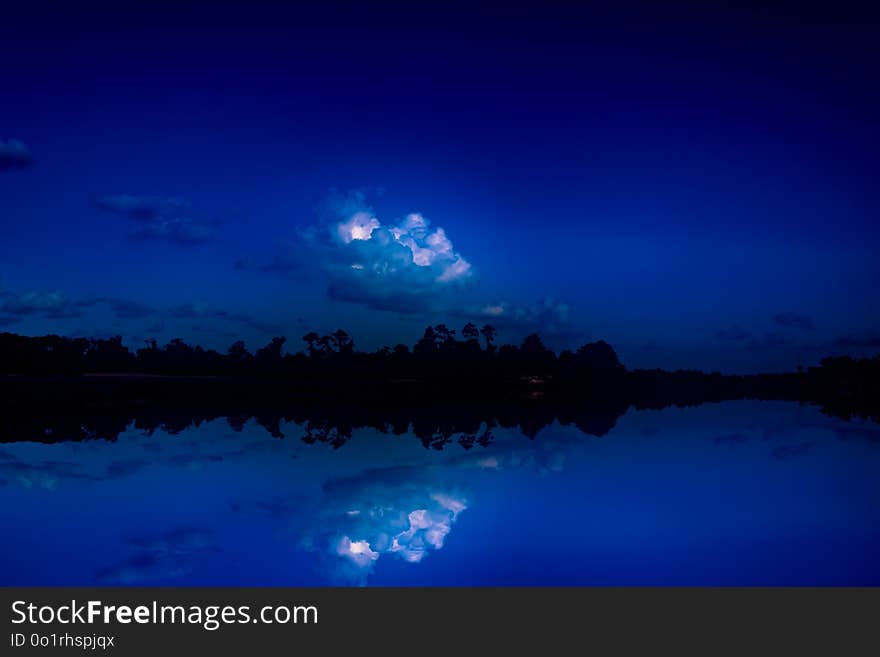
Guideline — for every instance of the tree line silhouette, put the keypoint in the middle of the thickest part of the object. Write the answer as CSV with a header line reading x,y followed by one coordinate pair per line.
x,y
439,365
437,354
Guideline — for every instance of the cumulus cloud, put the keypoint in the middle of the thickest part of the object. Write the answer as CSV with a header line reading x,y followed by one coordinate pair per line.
x,y
406,266
160,218
14,154
794,320
396,512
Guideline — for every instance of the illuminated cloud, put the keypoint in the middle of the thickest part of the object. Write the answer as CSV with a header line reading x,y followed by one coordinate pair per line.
x,y
408,266
409,511
409,533
394,511
359,227
405,267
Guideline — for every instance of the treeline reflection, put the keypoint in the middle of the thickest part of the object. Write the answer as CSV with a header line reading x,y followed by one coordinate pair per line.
x,y
436,426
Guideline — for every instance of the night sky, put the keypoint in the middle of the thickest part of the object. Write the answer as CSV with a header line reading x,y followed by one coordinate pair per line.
x,y
698,187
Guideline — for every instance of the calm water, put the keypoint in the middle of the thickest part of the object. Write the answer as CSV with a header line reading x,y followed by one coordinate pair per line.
x,y
740,493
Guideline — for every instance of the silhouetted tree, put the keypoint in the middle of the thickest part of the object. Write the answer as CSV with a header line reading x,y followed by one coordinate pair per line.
x,y
109,355
471,347
343,342
311,339
444,335
237,350
470,332
597,357
427,344
489,332
439,365
536,358
326,344
271,353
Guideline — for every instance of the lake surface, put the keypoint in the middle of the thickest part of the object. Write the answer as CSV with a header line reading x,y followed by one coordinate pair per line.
x,y
737,493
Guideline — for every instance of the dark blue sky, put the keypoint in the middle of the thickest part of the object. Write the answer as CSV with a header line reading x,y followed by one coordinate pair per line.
x,y
698,187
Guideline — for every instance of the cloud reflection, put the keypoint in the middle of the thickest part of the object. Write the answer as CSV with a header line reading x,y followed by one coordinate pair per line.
x,y
406,512
161,556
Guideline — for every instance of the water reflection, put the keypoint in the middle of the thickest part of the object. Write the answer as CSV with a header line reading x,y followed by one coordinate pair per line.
x,y
401,511
168,555
435,425
732,493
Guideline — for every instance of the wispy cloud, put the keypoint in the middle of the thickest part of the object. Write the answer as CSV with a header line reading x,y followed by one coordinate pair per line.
x,y
52,305
734,333
200,311
283,264
55,305
126,309
772,340
789,452
163,218
162,556
14,154
794,320
548,315
867,340
767,340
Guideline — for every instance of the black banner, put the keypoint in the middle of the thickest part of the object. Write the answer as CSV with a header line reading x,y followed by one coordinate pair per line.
x,y
149,621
